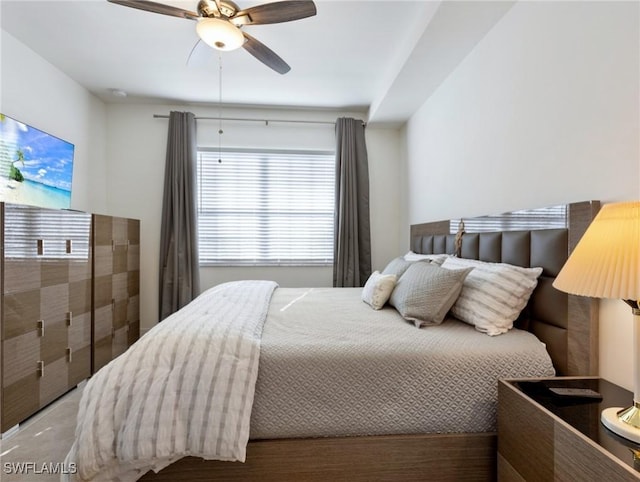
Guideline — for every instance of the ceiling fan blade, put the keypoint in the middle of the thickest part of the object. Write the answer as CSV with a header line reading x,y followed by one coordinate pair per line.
x,y
277,12
156,7
265,55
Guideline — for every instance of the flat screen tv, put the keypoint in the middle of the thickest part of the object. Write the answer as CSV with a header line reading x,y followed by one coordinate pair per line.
x,y
36,168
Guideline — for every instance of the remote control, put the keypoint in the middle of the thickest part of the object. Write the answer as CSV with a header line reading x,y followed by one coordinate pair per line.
x,y
575,392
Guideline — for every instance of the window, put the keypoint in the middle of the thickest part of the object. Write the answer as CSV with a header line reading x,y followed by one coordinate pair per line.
x,y
265,207
539,218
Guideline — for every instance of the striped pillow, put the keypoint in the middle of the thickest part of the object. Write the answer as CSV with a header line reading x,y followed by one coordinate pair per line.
x,y
434,258
493,294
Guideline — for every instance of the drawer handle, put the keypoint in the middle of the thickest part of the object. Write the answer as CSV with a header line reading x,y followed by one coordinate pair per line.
x,y
113,333
69,355
41,368
70,318
69,246
40,247
41,327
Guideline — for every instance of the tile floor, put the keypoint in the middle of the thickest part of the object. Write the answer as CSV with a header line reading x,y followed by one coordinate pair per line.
x,y
40,443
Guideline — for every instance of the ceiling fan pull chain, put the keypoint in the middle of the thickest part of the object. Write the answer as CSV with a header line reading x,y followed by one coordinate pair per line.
x,y
220,131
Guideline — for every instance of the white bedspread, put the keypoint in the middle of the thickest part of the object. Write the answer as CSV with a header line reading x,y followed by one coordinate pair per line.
x,y
141,411
332,366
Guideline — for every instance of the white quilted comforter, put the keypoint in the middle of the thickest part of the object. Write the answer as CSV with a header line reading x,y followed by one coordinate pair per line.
x,y
185,388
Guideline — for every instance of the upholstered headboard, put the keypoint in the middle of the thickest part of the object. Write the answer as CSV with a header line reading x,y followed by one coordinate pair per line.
x,y
567,324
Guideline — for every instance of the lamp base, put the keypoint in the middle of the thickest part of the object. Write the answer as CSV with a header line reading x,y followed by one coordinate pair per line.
x,y
623,421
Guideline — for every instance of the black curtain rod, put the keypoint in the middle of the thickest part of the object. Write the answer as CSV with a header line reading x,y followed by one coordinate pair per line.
x,y
265,121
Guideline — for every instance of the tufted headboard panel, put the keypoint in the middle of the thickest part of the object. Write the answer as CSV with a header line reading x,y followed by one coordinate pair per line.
x,y
568,325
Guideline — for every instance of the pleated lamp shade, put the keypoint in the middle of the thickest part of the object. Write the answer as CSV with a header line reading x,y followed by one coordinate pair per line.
x,y
606,261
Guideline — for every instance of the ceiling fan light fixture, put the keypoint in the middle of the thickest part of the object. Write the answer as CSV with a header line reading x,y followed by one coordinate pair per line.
x,y
220,34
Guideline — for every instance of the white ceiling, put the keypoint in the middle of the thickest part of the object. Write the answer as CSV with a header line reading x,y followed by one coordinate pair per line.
x,y
352,55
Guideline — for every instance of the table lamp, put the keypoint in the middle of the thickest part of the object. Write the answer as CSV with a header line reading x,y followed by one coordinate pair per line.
x,y
606,264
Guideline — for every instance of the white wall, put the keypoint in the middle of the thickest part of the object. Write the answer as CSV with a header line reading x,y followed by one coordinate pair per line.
x,y
136,158
37,93
545,110
386,184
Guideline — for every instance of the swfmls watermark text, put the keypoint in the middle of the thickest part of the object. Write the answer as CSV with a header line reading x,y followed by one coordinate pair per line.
x,y
39,468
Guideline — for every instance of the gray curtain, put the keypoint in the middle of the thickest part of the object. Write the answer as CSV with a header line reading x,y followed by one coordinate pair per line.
x,y
352,243
179,265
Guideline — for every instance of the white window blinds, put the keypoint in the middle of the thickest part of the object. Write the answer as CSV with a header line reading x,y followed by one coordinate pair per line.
x,y
265,207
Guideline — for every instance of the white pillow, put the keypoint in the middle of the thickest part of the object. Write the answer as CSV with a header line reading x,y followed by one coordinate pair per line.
x,y
378,288
493,294
434,258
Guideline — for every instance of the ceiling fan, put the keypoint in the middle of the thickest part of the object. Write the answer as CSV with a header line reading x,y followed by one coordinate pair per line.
x,y
220,21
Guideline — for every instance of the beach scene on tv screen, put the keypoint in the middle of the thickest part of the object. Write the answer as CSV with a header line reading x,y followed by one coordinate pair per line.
x,y
36,168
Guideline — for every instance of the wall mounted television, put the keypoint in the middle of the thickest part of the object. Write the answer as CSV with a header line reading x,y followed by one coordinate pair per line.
x,y
36,168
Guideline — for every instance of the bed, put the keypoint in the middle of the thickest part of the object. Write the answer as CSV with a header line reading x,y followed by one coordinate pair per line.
x,y
303,430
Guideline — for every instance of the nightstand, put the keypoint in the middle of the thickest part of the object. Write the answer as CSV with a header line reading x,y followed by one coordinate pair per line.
x,y
544,437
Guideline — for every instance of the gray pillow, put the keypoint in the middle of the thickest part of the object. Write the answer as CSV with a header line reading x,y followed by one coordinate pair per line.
x,y
397,266
425,292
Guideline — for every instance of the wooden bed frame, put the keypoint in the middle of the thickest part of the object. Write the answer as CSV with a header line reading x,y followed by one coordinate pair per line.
x,y
469,457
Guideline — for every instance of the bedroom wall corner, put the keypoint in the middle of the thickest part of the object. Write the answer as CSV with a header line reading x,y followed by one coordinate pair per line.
x,y
403,157
384,149
37,93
